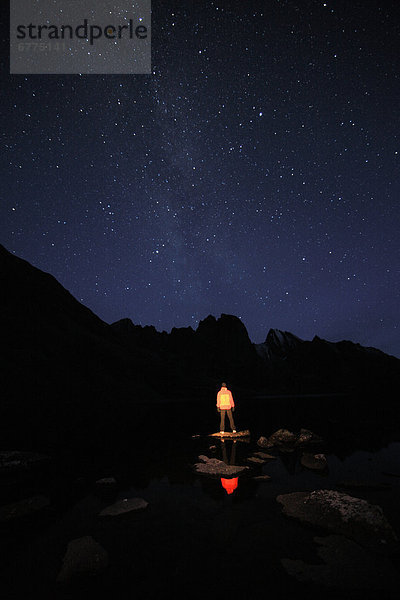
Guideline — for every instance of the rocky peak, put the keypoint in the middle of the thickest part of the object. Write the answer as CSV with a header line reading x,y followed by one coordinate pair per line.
x,y
280,342
227,328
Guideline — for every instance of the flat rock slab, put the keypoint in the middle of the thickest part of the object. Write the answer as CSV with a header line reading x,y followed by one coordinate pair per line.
x,y
265,456
256,460
347,566
84,556
262,478
22,508
342,514
213,466
123,506
229,434
315,462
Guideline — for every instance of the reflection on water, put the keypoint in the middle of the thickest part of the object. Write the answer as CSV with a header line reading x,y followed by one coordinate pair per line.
x,y
229,485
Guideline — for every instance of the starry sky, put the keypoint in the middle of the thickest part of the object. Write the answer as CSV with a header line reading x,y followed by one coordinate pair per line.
x,y
255,172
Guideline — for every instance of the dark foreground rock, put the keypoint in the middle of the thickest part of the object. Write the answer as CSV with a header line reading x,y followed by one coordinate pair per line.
x,y
347,566
84,556
23,508
213,466
123,506
337,512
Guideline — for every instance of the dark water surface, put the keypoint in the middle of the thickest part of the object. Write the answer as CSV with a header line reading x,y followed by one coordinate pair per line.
x,y
194,538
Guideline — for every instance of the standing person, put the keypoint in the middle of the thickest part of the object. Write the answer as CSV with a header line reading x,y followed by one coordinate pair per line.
x,y
225,404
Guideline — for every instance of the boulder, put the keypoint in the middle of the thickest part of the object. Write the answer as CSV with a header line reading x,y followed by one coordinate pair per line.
x,y
287,440
22,508
264,442
342,514
347,566
315,462
307,437
84,556
282,436
213,466
123,506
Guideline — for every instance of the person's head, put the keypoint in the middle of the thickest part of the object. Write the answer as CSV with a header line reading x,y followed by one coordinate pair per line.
x,y
223,384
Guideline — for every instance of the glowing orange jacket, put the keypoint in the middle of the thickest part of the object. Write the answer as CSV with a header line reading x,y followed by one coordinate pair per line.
x,y
230,485
225,399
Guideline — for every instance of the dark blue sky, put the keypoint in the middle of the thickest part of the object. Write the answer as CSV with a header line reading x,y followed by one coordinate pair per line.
x,y
255,172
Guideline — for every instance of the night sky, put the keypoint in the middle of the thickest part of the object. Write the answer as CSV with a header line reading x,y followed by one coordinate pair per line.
x,y
254,173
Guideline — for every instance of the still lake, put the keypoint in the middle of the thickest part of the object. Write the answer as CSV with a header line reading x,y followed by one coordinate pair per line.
x,y
194,538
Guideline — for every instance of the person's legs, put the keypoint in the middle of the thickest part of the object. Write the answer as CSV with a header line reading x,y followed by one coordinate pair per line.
x,y
222,422
231,421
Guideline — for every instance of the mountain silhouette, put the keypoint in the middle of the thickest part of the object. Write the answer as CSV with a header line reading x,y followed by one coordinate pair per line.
x,y
66,372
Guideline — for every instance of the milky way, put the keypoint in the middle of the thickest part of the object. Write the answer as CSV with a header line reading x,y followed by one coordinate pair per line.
x,y
254,172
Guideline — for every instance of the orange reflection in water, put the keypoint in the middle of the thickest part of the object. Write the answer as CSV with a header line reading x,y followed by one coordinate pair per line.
x,y
230,485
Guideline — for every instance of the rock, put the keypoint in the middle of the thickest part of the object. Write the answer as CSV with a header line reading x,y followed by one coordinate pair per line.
x,y
346,566
262,478
337,512
213,466
265,456
307,437
282,436
123,506
23,508
106,482
229,434
256,460
264,442
316,462
287,440
84,556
